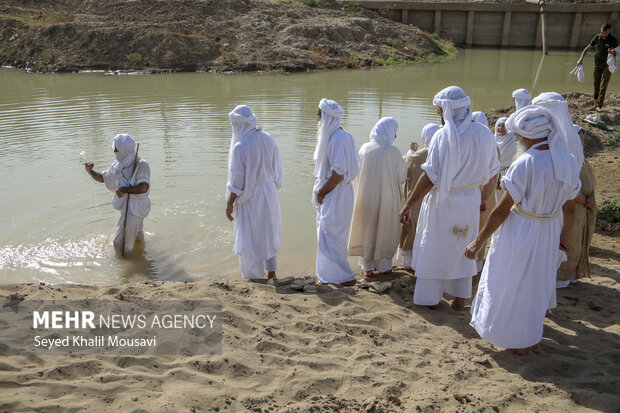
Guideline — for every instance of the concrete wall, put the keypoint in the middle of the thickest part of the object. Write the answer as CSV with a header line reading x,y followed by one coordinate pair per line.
x,y
569,26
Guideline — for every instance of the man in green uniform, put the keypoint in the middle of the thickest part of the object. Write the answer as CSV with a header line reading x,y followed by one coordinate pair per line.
x,y
603,44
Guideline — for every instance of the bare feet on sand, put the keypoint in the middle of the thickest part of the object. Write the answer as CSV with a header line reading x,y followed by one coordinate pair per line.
x,y
368,273
434,307
348,283
458,304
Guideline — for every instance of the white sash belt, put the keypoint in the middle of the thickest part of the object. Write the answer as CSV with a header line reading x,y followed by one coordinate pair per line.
x,y
531,215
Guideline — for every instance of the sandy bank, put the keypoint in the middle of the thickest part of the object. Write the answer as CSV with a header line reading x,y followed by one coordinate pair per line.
x,y
209,35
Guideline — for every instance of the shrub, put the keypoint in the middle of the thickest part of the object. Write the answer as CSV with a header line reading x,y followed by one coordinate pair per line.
x,y
609,211
135,59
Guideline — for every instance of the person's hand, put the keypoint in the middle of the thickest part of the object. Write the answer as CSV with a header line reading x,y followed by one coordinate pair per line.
x,y
472,250
319,198
612,51
413,146
591,203
405,214
119,192
229,212
483,206
89,166
580,62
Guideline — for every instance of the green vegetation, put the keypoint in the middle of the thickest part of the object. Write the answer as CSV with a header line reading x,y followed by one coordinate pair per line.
x,y
613,142
8,53
135,59
395,43
609,211
351,6
309,3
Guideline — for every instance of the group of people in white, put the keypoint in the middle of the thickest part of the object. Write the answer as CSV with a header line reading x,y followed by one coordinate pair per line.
x,y
434,208
527,188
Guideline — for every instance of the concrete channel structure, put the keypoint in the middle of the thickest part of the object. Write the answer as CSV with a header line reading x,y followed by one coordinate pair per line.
x,y
501,24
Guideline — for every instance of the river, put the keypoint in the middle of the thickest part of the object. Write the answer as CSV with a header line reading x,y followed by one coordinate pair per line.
x,y
57,223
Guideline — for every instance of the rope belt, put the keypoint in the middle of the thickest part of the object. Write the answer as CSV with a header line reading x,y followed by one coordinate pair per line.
x,y
531,215
459,188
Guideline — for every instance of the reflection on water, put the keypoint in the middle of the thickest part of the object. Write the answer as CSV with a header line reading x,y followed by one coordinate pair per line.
x,y
57,224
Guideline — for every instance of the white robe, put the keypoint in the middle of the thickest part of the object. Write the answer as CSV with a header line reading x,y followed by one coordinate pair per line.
x,y
139,204
519,276
444,231
256,175
334,214
376,227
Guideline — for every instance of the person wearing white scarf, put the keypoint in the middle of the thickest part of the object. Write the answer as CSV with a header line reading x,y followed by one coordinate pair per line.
x,y
122,179
414,164
254,177
462,157
534,218
378,199
559,107
481,118
506,143
522,98
337,164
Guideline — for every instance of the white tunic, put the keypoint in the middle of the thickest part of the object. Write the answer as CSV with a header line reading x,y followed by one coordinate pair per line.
x,y
334,214
256,175
376,228
519,276
139,204
444,231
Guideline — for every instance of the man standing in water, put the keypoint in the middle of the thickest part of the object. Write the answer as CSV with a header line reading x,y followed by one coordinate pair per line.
x,y
254,177
128,174
603,44
337,164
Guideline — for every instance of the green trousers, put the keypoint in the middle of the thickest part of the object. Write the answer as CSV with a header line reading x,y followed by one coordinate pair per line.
x,y
601,80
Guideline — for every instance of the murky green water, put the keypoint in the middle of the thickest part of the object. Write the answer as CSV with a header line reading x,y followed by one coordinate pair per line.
x,y
57,224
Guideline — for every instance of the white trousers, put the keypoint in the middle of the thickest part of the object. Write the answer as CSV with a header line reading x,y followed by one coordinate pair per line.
x,y
256,269
403,257
381,265
133,232
429,291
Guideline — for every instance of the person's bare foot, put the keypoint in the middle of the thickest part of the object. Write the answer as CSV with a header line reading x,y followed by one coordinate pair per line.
x,y
517,351
387,272
434,307
271,278
535,348
458,304
348,283
368,273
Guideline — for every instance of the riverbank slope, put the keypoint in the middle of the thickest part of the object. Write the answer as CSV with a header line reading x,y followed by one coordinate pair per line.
x,y
206,35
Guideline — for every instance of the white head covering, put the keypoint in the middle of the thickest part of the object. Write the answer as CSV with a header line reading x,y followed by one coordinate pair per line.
x,y
559,108
506,144
522,98
481,118
243,122
331,113
126,153
384,130
457,117
427,133
536,122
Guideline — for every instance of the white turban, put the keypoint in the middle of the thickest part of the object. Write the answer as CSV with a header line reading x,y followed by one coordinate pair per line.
x,y
243,122
126,153
457,117
384,130
428,131
481,118
506,144
331,113
536,122
559,107
522,98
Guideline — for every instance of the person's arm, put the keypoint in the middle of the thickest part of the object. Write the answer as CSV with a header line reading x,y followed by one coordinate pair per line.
x,y
568,212
329,186
141,188
96,175
421,188
497,218
229,206
486,193
583,54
